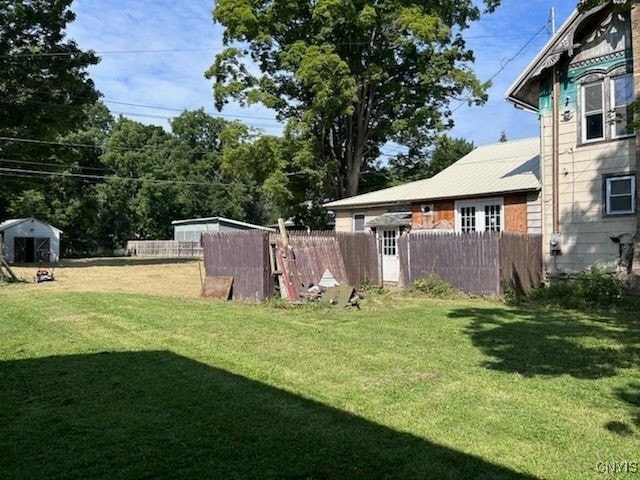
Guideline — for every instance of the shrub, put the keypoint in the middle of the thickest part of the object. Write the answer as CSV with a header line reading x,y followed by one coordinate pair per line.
x,y
374,289
434,287
593,288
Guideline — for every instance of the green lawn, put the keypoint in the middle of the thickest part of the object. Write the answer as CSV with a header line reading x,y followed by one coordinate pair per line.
x,y
99,385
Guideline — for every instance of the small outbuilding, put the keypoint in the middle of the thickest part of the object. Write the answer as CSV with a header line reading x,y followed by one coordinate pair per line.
x,y
29,240
190,230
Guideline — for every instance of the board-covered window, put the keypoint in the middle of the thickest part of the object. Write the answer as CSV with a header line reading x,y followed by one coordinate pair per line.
x,y
621,106
593,111
358,222
620,195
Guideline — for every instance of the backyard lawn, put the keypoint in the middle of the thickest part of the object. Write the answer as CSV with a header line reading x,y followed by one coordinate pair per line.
x,y
100,384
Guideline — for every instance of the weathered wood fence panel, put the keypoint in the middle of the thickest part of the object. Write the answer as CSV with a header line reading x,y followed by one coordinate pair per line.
x,y
164,248
316,254
359,254
478,264
521,260
243,256
470,262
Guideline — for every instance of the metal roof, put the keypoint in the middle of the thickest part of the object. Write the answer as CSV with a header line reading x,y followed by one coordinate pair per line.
x,y
512,166
7,224
197,221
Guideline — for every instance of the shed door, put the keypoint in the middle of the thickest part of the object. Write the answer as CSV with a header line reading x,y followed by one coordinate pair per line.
x,y
43,250
390,259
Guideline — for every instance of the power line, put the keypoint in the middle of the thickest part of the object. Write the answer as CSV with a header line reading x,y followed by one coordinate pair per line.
x,y
508,61
45,164
208,49
173,109
45,173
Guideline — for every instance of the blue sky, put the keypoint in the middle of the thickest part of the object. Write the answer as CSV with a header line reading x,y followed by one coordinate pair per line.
x,y
176,79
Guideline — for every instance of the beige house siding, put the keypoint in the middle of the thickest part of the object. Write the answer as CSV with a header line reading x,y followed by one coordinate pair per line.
x,y
584,229
534,213
344,218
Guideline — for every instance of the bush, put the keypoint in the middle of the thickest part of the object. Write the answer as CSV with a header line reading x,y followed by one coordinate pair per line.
x,y
374,289
434,287
593,288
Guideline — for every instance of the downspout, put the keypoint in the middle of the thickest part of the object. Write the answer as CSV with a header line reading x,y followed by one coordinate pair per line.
x,y
635,49
555,170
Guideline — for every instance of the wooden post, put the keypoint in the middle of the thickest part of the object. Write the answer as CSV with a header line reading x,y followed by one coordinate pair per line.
x,y
283,233
3,263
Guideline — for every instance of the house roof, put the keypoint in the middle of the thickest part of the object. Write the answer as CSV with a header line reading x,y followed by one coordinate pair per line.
x,y
7,224
525,90
492,169
197,221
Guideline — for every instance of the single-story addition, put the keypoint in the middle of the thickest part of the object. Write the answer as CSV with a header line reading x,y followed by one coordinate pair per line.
x,y
29,240
190,230
494,188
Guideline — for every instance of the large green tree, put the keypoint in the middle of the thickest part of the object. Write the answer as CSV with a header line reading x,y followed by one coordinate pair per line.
x,y
356,73
446,151
44,85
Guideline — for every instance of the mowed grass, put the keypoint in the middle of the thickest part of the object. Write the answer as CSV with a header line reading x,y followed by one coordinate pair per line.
x,y
112,385
178,277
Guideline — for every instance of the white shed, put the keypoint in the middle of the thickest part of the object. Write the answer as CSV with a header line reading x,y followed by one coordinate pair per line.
x,y
29,240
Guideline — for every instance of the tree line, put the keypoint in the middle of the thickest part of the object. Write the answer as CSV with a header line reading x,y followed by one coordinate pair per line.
x,y
345,78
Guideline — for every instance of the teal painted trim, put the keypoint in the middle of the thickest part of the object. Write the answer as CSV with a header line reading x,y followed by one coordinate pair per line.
x,y
569,80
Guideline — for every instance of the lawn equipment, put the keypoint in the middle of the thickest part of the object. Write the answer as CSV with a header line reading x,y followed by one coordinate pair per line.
x,y
44,274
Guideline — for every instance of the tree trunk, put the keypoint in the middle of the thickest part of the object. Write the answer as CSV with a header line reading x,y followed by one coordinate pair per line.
x,y
635,38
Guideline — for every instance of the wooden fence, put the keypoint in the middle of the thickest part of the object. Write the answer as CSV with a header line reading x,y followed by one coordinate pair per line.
x,y
164,249
243,256
479,264
358,250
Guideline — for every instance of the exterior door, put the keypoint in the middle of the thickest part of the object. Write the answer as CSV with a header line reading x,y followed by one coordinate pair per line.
x,y
390,259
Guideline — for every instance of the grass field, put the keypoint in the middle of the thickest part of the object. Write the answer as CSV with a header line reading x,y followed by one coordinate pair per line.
x,y
100,384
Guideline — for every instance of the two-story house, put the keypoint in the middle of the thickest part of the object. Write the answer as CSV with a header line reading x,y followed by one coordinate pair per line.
x,y
581,84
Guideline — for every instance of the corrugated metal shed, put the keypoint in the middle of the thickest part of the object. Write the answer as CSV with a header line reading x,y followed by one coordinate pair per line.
x,y
512,166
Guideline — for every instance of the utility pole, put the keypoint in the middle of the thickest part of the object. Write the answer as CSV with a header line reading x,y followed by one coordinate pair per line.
x,y
552,20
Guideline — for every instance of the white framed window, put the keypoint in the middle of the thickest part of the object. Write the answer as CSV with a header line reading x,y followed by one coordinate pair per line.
x,y
483,215
593,112
389,242
357,222
620,195
621,106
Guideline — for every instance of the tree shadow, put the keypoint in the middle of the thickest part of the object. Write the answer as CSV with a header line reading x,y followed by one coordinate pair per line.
x,y
126,262
158,415
534,341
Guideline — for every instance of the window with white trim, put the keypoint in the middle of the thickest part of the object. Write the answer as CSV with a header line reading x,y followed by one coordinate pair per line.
x,y
621,106
620,195
593,111
467,219
484,215
358,222
389,242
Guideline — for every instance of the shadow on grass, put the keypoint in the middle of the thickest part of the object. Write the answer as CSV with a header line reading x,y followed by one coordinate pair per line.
x,y
536,341
158,415
125,262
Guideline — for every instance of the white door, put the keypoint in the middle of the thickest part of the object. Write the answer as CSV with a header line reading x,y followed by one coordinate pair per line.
x,y
390,260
